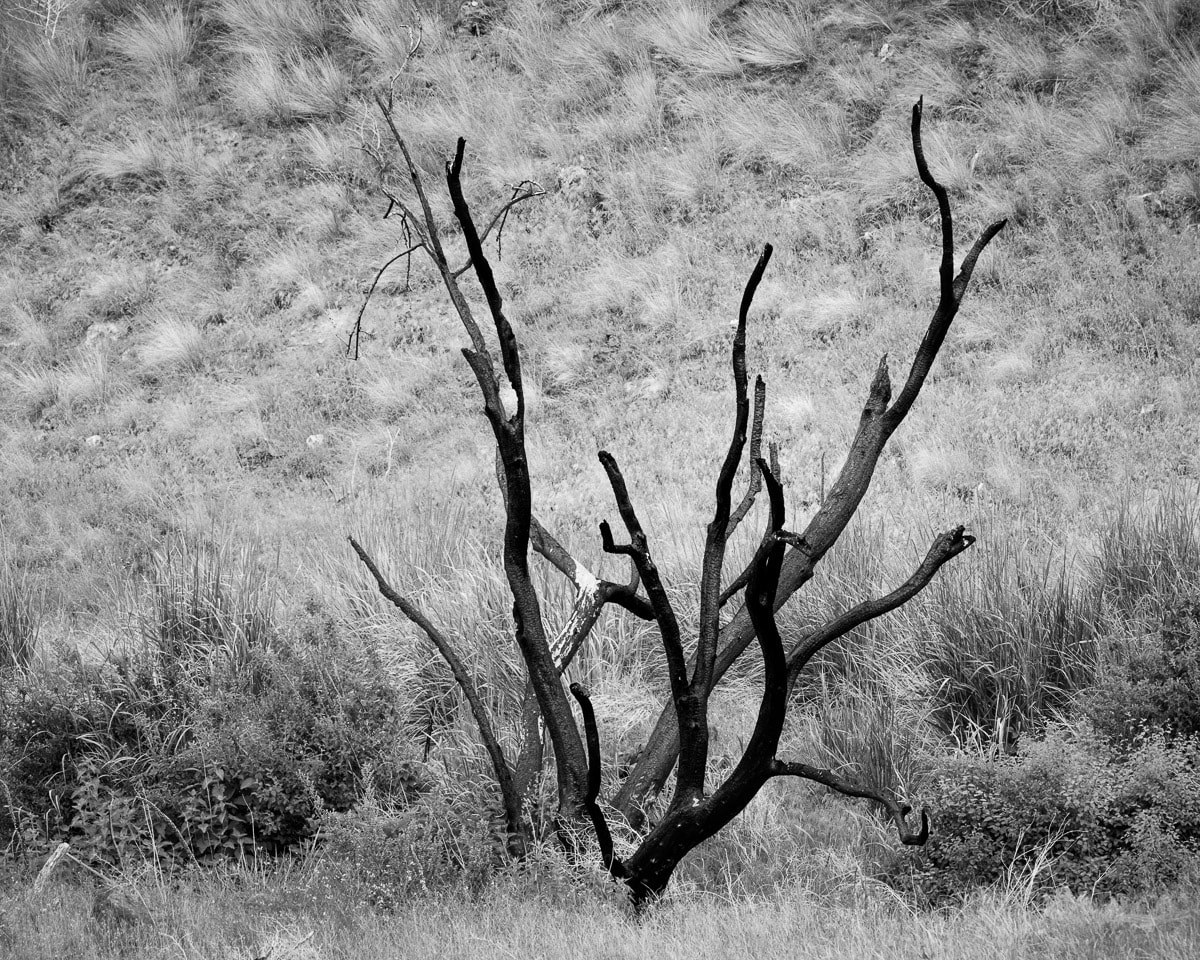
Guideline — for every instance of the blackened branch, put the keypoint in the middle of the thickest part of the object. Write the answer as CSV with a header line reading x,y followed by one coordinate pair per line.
x,y
756,432
611,863
897,812
509,354
946,270
713,562
969,261
944,548
535,190
952,289
638,550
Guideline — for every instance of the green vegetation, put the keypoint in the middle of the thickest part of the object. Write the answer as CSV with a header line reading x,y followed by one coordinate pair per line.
x,y
201,691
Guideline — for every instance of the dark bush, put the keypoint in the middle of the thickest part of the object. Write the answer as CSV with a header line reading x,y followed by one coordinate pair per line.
x,y
1065,811
1156,685
203,758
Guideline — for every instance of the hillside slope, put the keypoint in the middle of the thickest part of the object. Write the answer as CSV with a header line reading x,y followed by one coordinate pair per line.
x,y
191,214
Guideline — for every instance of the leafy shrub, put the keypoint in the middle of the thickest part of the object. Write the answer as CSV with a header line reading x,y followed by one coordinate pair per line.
x,y
1157,686
1093,821
441,841
200,758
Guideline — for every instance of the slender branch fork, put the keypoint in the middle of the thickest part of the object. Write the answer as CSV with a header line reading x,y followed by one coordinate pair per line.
x,y
783,561
424,226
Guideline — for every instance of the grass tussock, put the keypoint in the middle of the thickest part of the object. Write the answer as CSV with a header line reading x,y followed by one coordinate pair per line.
x,y
1010,642
1149,555
208,599
21,613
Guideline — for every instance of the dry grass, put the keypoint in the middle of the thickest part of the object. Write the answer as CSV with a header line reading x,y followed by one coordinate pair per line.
x,y
261,914
173,343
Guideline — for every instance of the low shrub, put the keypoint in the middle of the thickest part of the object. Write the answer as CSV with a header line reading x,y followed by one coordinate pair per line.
x,y
1064,811
1155,684
203,758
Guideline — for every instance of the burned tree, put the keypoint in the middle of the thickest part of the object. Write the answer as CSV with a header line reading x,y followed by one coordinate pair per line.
x,y
783,562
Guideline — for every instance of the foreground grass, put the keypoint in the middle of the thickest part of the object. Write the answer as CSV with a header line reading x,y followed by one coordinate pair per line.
x,y
246,916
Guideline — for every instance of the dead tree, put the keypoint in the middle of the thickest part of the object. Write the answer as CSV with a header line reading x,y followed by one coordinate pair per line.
x,y
782,563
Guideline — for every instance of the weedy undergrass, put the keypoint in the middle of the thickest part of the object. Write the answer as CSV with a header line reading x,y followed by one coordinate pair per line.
x,y
248,912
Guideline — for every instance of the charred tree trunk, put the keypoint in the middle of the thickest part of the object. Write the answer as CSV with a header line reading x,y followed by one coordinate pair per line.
x,y
783,562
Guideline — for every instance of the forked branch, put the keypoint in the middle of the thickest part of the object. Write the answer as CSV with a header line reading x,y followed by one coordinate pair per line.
x,y
638,551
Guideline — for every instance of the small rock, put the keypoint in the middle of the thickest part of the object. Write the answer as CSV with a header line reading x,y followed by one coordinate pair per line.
x,y
104,332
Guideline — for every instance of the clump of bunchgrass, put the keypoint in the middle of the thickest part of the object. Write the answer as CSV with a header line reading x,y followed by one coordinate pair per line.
x,y
22,607
1148,554
51,75
159,44
1007,641
209,598
173,343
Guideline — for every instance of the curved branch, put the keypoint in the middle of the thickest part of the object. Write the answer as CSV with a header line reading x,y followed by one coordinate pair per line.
x,y
945,547
946,269
897,812
760,603
611,862
466,683
951,289
638,550
356,331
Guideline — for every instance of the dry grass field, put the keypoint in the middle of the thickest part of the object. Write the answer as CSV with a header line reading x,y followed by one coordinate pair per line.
x,y
192,211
